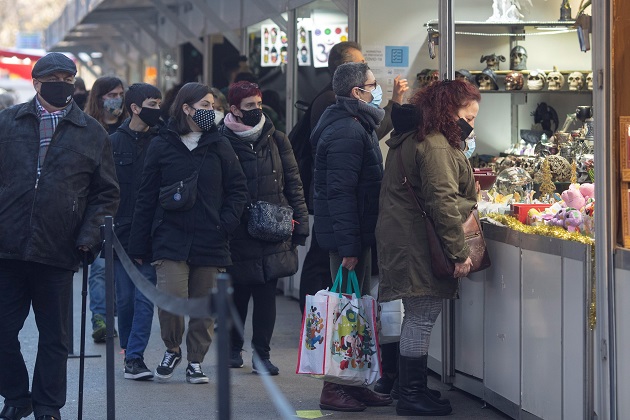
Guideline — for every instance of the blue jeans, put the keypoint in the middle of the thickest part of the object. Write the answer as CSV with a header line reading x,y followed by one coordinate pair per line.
x,y
135,311
96,287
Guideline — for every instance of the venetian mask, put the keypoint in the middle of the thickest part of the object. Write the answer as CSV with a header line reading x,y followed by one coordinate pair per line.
x,y
536,80
576,81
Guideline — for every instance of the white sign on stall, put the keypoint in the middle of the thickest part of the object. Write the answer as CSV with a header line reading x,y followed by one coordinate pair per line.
x,y
387,62
324,36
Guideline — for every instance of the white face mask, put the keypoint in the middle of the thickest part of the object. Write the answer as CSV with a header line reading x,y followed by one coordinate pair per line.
x,y
218,117
471,145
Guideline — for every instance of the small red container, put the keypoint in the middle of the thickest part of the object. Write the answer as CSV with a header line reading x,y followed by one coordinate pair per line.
x,y
520,210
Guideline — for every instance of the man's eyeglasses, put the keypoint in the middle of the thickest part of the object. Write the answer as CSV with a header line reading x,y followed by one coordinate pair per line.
x,y
373,85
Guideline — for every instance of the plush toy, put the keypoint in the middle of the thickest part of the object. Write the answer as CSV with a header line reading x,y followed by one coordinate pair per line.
x,y
573,197
573,220
588,190
558,219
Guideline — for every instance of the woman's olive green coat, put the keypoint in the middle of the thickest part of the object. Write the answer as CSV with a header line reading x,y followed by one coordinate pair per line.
x,y
443,181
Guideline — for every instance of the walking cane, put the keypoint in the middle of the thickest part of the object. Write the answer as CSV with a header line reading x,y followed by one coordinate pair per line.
x,y
83,317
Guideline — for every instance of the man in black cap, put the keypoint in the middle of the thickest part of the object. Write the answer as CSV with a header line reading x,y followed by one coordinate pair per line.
x,y
57,184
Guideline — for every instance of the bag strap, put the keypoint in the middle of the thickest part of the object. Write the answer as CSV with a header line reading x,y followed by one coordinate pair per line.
x,y
407,183
352,287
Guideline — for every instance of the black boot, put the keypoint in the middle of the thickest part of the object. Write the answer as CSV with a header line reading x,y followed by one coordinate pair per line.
x,y
413,397
434,393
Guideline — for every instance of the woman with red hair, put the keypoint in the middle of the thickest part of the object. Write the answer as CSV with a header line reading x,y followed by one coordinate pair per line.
x,y
272,175
430,158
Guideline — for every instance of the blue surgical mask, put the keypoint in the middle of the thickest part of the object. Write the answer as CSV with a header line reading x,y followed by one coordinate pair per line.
x,y
470,143
377,96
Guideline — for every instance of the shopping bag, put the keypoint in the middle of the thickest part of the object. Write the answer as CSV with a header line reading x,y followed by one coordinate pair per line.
x,y
390,321
338,341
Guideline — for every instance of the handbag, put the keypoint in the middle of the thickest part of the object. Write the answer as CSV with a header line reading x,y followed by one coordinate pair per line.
x,y
182,195
338,340
270,222
441,265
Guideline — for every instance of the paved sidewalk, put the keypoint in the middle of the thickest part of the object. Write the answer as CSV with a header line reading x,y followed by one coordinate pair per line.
x,y
178,400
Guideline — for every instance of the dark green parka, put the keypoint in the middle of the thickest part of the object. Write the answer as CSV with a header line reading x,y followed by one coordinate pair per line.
x,y
443,181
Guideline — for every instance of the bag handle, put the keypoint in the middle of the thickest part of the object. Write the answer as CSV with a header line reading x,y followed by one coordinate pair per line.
x,y
352,286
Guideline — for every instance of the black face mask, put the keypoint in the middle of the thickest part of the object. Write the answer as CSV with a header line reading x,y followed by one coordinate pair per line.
x,y
58,94
150,116
251,117
465,127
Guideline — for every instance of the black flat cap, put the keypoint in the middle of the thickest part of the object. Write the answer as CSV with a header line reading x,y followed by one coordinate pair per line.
x,y
52,63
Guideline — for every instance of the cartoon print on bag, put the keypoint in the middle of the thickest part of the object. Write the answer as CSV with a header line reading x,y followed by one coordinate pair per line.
x,y
314,326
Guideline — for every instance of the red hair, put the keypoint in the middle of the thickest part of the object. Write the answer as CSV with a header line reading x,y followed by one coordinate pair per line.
x,y
438,103
241,90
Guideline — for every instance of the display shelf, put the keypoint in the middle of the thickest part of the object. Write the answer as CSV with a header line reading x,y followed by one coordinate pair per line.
x,y
523,24
552,92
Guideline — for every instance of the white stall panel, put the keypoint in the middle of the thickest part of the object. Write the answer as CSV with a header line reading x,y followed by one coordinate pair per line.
x,y
502,347
469,326
622,297
542,334
573,338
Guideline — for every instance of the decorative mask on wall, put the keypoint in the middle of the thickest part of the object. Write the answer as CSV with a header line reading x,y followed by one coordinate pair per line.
x,y
555,79
536,80
514,81
492,61
576,81
518,58
487,80
589,81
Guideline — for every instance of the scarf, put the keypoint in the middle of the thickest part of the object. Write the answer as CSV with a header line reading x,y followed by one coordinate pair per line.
x,y
244,132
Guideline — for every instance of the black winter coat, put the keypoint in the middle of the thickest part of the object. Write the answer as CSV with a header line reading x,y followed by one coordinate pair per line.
x,y
272,176
46,220
199,236
130,149
347,179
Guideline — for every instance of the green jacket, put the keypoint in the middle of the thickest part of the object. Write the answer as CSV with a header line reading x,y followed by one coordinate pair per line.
x,y
443,181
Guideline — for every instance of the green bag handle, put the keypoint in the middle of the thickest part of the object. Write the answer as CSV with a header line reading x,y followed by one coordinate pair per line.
x,y
353,283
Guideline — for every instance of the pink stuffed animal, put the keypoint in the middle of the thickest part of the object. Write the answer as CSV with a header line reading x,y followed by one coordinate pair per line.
x,y
588,190
573,197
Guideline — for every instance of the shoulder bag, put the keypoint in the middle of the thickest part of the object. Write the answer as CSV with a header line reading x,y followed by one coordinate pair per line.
x,y
441,265
269,221
182,195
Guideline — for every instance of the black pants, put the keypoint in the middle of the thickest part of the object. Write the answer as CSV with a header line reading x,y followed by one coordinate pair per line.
x,y
49,290
315,271
263,318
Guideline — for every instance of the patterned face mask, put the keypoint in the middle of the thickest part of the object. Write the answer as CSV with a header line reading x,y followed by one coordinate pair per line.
x,y
204,118
113,106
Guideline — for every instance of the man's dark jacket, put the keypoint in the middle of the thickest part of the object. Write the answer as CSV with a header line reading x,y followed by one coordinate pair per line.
x,y
46,220
272,176
200,235
347,179
130,149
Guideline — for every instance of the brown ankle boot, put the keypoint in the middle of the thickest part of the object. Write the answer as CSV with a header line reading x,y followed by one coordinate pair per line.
x,y
335,398
367,396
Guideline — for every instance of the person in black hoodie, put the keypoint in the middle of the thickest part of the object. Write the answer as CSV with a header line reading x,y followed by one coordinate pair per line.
x,y
347,181
272,176
129,145
188,247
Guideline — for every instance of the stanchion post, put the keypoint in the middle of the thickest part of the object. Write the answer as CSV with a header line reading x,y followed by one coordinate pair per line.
x,y
108,250
221,301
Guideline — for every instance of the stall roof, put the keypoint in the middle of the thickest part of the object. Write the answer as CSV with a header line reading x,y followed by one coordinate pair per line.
x,y
147,25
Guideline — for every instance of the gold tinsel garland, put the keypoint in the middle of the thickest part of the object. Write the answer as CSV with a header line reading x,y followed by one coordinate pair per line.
x,y
559,233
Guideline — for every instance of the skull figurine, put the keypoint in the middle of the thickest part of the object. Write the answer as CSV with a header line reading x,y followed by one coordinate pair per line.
x,y
518,58
576,81
589,81
432,77
463,74
536,80
514,81
422,77
555,80
486,80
